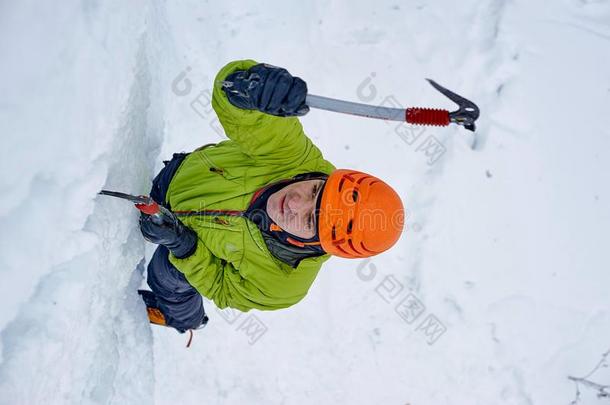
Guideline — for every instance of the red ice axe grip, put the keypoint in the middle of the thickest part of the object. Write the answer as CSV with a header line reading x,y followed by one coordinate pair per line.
x,y
150,209
144,203
427,116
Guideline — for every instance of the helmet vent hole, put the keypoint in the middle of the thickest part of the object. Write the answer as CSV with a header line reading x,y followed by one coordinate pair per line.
x,y
349,226
355,195
364,247
361,179
341,184
334,232
351,245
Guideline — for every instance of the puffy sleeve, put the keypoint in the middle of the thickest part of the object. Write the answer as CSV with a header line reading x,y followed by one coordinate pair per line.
x,y
279,140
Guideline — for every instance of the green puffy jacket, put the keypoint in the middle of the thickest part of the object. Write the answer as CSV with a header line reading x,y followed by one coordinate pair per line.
x,y
232,265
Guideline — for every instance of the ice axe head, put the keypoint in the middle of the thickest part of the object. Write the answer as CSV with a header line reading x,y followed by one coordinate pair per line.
x,y
466,114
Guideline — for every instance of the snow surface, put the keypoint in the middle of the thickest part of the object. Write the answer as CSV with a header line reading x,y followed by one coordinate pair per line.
x,y
507,241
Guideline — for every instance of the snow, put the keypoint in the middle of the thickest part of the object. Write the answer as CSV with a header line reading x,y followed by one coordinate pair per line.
x,y
506,241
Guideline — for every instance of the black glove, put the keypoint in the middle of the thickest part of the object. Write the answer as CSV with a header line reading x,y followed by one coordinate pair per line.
x,y
269,89
167,230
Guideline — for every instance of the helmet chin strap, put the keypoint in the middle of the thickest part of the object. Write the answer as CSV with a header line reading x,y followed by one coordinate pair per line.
x,y
293,239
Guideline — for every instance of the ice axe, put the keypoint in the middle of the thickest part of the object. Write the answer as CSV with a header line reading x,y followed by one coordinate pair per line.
x,y
465,115
144,203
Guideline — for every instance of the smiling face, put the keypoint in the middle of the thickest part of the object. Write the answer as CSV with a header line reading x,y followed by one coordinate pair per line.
x,y
293,207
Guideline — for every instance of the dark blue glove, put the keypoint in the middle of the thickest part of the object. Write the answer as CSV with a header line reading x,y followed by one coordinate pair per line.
x,y
169,231
269,89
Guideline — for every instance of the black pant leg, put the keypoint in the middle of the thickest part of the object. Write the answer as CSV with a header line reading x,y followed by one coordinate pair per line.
x,y
179,302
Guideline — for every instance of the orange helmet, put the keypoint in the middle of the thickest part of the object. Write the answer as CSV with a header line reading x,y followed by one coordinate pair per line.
x,y
360,215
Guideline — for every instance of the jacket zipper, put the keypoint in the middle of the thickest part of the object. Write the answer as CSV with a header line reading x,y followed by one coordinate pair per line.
x,y
211,213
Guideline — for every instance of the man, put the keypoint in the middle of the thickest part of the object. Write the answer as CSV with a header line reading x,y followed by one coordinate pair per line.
x,y
254,217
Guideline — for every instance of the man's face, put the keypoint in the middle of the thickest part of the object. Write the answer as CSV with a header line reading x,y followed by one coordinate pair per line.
x,y
293,207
